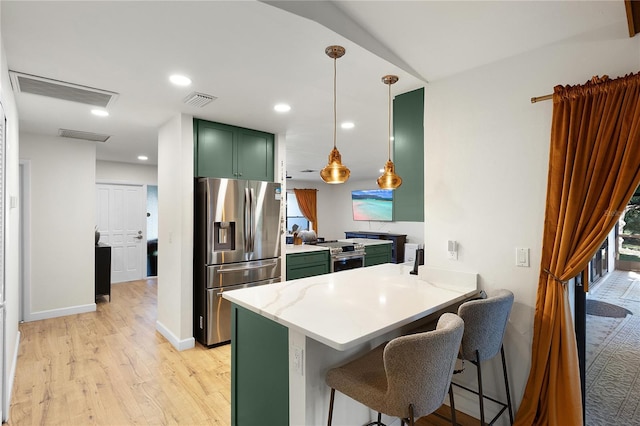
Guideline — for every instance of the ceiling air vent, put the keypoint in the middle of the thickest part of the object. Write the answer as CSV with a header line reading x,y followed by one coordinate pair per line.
x,y
88,136
26,83
198,99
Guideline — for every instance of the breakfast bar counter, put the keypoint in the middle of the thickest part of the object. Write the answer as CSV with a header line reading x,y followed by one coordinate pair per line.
x,y
285,336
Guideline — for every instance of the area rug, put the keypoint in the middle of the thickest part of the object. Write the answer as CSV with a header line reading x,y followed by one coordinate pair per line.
x,y
613,351
604,309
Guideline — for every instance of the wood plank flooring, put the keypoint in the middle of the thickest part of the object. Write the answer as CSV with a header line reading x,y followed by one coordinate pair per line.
x,y
111,367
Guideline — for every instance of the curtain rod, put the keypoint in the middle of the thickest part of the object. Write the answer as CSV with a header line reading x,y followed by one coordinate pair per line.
x,y
541,98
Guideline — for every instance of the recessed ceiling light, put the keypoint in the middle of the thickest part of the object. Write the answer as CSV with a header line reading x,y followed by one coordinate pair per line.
x,y
180,80
347,125
143,157
381,170
282,108
100,112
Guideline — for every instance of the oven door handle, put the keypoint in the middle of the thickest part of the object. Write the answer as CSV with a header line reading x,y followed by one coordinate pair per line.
x,y
347,257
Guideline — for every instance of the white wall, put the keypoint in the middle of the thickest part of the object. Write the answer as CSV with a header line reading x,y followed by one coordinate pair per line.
x,y
175,231
12,235
62,221
126,173
335,215
486,158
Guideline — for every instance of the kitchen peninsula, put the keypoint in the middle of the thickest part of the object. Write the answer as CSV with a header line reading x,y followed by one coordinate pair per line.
x,y
285,336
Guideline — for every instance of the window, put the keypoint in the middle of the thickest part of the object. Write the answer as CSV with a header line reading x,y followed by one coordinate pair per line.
x,y
294,215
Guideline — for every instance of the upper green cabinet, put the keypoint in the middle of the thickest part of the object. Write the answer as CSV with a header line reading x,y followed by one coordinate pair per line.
x,y
225,151
408,156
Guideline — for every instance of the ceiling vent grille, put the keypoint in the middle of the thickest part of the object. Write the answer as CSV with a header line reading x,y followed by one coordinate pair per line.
x,y
26,83
199,99
88,136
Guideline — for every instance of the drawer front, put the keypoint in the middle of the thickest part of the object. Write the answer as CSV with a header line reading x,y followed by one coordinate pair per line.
x,y
300,259
378,249
307,271
377,259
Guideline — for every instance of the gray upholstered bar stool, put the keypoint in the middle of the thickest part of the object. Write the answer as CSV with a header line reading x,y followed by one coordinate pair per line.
x,y
407,378
485,321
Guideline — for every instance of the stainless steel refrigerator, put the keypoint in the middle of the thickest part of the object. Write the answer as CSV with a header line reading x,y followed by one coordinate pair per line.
x,y
236,245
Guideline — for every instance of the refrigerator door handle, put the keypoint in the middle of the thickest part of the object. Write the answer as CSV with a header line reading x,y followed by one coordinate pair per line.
x,y
247,220
252,232
245,268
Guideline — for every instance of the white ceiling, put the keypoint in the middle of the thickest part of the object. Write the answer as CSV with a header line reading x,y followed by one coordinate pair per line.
x,y
252,55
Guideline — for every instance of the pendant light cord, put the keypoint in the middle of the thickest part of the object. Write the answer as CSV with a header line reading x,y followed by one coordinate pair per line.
x,y
389,141
335,116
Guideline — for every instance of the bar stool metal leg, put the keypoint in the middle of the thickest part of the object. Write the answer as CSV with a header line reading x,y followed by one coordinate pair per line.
x,y
506,384
333,395
411,419
480,394
452,404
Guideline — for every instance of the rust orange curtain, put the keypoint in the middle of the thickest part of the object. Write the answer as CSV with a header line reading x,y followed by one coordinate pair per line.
x,y
594,169
307,201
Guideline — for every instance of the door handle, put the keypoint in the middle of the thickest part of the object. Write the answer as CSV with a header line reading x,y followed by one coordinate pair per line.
x,y
138,237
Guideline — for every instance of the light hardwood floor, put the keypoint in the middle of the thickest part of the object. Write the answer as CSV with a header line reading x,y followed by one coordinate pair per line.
x,y
111,367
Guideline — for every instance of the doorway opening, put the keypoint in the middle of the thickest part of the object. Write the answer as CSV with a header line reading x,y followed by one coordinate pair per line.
x,y
628,237
152,230
611,339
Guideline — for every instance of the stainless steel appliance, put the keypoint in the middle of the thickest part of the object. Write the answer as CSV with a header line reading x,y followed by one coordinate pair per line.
x,y
345,255
236,245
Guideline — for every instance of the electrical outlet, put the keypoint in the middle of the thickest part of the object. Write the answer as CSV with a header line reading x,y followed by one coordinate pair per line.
x,y
298,360
452,248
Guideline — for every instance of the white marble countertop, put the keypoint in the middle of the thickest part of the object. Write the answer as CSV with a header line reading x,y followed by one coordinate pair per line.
x,y
347,308
303,248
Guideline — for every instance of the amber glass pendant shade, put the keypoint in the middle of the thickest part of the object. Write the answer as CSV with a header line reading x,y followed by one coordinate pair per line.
x,y
389,179
335,172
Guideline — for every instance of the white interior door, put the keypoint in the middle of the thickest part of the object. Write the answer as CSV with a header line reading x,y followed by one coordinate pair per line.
x,y
121,211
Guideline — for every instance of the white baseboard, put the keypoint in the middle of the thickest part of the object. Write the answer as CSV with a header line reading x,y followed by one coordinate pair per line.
x,y
54,313
9,382
180,345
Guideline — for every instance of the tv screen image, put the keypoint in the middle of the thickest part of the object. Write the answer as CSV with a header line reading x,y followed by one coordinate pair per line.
x,y
372,204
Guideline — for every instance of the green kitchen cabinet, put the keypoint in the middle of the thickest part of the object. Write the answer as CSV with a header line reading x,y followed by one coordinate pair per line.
x,y
408,156
259,370
376,254
302,265
225,151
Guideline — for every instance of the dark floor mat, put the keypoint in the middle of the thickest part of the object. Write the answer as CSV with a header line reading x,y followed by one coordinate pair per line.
x,y
604,309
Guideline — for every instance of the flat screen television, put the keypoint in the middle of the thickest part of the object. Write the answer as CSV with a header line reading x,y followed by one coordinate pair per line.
x,y
372,204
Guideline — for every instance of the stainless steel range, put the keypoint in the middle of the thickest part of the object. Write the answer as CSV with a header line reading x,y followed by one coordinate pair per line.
x,y
345,255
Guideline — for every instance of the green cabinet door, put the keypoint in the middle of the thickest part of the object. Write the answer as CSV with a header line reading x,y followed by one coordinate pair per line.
x,y
408,156
259,370
214,149
255,155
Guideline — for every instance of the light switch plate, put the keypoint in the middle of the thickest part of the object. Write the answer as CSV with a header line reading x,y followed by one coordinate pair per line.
x,y
522,257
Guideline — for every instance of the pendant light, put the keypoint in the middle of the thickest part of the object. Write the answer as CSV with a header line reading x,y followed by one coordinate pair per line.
x,y
335,172
389,179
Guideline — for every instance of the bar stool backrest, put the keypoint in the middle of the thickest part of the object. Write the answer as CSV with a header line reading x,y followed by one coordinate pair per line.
x,y
419,366
485,321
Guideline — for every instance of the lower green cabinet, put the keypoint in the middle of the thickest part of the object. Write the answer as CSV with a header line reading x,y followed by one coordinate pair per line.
x,y
302,265
259,370
376,254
